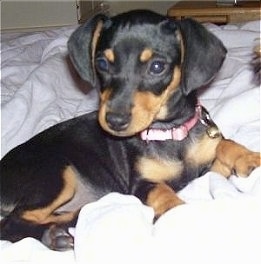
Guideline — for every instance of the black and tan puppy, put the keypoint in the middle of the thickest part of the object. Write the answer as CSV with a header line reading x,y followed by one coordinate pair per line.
x,y
150,137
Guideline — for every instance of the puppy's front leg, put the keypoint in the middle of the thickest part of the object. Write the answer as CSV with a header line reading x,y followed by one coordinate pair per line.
x,y
233,158
162,198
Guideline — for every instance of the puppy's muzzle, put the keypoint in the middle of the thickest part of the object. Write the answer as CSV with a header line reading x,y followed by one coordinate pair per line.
x,y
118,121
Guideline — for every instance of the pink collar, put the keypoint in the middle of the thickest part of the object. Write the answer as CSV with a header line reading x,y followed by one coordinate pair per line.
x,y
177,133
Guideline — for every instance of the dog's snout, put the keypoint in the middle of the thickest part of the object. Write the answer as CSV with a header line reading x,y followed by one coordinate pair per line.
x,y
117,121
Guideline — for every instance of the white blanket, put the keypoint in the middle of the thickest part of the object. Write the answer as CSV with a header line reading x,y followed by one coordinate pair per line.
x,y
220,222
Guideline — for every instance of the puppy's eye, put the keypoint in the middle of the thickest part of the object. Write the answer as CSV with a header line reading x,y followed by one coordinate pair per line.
x,y
157,67
102,64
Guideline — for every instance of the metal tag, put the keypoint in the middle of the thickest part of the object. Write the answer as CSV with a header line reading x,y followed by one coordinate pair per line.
x,y
212,129
213,132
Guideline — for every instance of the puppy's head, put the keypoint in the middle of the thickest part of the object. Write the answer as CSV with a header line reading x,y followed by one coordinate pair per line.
x,y
140,60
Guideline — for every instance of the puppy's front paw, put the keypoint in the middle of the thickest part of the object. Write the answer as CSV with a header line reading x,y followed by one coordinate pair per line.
x,y
233,158
246,163
162,198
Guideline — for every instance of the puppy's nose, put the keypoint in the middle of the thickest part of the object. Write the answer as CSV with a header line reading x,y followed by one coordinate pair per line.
x,y
117,121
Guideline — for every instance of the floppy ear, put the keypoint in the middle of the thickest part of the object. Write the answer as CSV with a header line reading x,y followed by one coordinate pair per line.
x,y
204,54
82,45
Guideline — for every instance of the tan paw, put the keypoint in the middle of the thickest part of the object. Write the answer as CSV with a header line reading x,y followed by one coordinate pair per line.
x,y
233,158
246,163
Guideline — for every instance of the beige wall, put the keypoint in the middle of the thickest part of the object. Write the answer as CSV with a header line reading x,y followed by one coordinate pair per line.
x,y
124,5
38,13
115,7
34,14
20,14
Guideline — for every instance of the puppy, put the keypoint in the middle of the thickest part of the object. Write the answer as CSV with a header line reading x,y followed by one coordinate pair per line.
x,y
149,138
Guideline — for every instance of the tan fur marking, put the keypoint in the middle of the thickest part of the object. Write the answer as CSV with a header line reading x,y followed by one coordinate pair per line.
x,y
221,168
175,80
104,96
95,39
203,151
146,55
109,54
233,156
182,46
45,215
157,170
163,111
162,198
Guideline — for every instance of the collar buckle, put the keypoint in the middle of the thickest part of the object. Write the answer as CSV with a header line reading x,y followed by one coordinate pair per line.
x,y
212,129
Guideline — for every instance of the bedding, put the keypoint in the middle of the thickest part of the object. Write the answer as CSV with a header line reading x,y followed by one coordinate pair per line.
x,y
220,222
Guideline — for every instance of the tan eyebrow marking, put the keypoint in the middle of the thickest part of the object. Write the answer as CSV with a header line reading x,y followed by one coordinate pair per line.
x,y
146,55
109,54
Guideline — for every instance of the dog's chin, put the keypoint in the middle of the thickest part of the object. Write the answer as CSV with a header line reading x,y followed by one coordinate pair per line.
x,y
135,127
121,133
128,132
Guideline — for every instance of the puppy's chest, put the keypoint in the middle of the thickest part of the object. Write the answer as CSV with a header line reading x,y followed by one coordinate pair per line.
x,y
176,159
160,162
159,169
